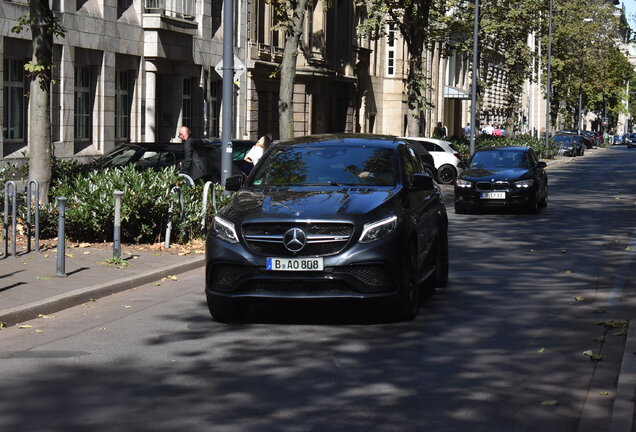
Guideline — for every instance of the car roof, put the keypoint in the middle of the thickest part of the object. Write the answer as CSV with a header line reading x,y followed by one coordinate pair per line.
x,y
433,140
372,140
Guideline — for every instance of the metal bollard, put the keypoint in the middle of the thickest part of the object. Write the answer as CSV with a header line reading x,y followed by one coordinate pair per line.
x,y
33,195
61,246
117,228
206,190
7,193
178,190
188,178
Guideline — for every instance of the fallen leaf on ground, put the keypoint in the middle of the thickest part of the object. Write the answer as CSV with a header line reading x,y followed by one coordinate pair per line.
x,y
3,324
541,350
46,316
69,255
25,326
588,353
549,403
84,245
566,271
564,250
629,248
42,277
173,277
87,252
579,298
39,331
620,332
604,393
127,307
158,284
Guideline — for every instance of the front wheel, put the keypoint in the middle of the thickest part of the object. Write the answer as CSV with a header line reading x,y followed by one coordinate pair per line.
x,y
446,174
408,305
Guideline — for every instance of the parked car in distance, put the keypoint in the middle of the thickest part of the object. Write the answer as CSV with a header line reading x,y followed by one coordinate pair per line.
x,y
569,145
345,216
630,140
588,138
447,159
502,176
160,155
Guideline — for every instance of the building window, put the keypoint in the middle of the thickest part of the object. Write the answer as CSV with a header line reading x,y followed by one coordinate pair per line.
x,y
13,124
390,50
215,108
186,117
122,115
82,103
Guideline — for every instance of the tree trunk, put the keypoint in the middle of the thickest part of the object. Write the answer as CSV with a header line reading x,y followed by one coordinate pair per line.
x,y
40,154
288,71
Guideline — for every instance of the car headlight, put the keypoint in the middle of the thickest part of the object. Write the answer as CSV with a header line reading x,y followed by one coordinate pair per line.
x,y
524,184
463,183
225,230
377,230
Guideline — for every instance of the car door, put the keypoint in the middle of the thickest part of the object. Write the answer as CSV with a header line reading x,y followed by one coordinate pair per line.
x,y
422,204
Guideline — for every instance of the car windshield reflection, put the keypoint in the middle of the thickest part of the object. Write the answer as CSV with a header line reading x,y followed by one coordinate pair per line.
x,y
333,166
494,160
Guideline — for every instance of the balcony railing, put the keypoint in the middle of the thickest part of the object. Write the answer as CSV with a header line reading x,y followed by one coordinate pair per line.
x,y
173,8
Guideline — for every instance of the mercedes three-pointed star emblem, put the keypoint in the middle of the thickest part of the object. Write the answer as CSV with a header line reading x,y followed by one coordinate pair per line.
x,y
295,239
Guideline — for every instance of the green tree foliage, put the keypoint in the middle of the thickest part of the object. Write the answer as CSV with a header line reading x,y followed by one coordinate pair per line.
x,y
586,60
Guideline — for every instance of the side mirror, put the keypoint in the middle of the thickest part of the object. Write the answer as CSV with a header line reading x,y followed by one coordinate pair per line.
x,y
422,181
541,164
234,183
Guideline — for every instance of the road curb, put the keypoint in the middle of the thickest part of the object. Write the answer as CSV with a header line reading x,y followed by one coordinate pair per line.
x,y
623,409
76,297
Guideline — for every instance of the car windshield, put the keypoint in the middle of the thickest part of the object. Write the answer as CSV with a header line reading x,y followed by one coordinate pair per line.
x,y
497,159
119,157
311,165
562,139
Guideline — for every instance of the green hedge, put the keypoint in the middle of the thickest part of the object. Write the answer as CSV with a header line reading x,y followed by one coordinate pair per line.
x,y
537,144
145,207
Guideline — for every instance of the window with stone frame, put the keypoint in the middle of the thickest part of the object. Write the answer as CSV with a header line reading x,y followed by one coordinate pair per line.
x,y
14,124
122,106
215,107
186,105
390,50
83,104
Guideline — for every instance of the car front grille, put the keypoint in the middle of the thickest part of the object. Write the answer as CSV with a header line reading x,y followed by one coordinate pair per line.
x,y
321,238
297,287
496,186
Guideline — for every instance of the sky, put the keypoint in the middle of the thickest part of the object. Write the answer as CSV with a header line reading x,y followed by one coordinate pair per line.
x,y
630,10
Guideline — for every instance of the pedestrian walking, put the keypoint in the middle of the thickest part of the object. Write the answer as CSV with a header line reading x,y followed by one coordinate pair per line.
x,y
439,131
197,162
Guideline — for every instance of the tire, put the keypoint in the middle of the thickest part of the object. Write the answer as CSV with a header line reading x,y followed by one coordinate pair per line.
x,y
544,202
446,174
440,277
224,309
408,304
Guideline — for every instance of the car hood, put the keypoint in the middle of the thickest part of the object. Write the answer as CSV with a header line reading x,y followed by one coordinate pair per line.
x,y
480,174
302,203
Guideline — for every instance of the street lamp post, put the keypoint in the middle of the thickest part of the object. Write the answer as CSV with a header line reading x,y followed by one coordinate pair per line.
x,y
579,118
549,84
473,99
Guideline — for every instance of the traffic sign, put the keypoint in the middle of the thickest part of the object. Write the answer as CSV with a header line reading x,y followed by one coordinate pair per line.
x,y
239,68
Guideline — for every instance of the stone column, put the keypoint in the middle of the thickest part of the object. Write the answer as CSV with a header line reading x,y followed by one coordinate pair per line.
x,y
151,101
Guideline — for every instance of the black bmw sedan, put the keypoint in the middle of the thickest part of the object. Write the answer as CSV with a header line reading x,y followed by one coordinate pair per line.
x,y
502,176
329,217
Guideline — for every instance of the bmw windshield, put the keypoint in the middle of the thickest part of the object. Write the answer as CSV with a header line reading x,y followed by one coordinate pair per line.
x,y
329,165
498,159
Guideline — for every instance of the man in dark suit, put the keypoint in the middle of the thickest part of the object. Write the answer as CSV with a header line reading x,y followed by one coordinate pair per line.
x,y
196,163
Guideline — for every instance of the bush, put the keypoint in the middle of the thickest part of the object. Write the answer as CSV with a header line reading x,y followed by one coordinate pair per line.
x,y
145,206
537,144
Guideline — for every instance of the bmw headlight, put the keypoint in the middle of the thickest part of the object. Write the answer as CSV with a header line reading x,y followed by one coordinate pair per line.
x,y
225,230
463,183
377,230
524,184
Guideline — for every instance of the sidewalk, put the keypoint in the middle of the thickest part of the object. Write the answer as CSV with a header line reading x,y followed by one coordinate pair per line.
x,y
29,285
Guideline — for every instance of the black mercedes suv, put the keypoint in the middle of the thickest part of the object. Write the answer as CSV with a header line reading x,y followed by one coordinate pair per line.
x,y
329,217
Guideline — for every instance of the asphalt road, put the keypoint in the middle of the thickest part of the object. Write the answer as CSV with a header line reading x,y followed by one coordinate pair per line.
x,y
501,349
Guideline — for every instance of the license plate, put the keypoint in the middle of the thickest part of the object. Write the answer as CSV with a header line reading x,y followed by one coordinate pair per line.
x,y
493,195
294,264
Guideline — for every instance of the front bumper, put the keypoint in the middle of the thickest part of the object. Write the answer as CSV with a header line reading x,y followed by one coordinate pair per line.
x,y
514,197
359,271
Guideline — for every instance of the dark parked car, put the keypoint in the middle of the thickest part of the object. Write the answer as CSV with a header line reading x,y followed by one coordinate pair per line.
x,y
502,176
630,140
569,145
160,155
329,217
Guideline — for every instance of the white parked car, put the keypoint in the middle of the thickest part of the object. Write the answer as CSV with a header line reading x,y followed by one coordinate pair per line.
x,y
446,158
